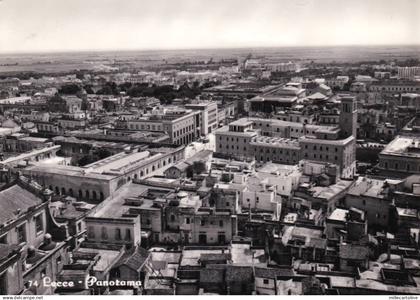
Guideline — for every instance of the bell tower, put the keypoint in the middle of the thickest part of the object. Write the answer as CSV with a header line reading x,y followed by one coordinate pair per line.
x,y
348,116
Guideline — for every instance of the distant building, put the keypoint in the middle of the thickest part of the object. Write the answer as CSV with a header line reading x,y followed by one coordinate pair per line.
x,y
288,142
408,72
395,87
208,116
182,125
101,179
401,156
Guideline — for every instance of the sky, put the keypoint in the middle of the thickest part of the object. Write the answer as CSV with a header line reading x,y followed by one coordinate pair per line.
x,y
66,25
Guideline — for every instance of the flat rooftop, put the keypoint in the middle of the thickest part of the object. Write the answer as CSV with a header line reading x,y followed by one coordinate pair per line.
x,y
332,190
191,257
114,207
225,131
275,168
275,98
243,255
106,257
94,143
282,123
241,122
368,187
66,170
306,139
408,146
120,161
23,156
275,142
338,214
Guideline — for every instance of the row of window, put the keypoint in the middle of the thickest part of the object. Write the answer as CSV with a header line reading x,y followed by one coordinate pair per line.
x,y
232,139
182,131
315,147
396,166
145,127
320,156
274,151
394,88
203,222
87,194
118,236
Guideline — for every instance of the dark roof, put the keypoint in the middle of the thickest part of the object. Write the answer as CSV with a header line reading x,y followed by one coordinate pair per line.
x,y
356,252
14,198
237,273
215,256
202,155
182,166
134,259
317,243
273,272
211,275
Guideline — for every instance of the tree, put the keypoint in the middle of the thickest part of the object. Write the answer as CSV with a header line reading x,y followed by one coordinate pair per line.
x,y
69,89
88,89
196,168
102,153
110,88
86,159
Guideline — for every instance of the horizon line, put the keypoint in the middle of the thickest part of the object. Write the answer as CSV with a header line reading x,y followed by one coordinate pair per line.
x,y
199,49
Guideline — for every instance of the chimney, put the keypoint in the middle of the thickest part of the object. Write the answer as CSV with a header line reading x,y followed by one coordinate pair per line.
x,y
47,239
31,252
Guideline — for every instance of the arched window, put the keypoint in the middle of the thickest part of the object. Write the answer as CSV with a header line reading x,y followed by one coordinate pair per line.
x,y
71,192
80,194
101,195
94,195
57,190
63,191
87,194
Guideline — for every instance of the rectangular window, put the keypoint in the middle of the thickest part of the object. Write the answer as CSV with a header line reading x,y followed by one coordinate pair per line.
x,y
104,233
128,234
39,224
3,239
118,234
91,232
265,281
21,232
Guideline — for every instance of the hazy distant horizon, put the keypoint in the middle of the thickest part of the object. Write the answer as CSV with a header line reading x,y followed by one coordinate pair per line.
x,y
221,48
28,26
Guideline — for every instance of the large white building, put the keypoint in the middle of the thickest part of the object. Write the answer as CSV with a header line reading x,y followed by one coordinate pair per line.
x,y
289,142
408,72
